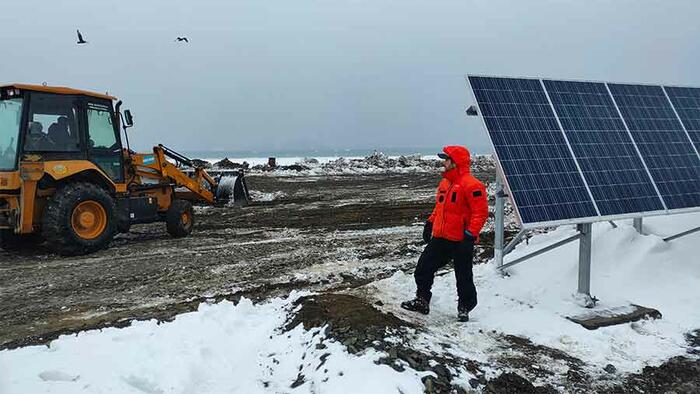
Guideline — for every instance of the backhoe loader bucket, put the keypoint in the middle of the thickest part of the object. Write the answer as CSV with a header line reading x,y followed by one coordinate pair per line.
x,y
232,189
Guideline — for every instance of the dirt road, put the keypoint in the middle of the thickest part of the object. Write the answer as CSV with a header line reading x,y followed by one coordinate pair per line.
x,y
315,233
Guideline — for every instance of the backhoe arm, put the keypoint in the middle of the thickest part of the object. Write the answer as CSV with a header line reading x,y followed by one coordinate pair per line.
x,y
157,165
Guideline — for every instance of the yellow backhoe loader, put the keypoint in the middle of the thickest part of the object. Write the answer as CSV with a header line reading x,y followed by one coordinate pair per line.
x,y
67,179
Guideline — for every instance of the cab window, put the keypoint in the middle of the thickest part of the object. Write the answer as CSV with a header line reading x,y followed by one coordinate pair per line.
x,y
10,121
104,148
52,124
101,127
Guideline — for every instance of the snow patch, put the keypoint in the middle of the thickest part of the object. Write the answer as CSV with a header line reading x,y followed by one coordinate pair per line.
x,y
266,197
219,348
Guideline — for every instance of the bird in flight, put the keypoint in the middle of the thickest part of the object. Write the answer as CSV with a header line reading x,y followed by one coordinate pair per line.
x,y
80,38
180,39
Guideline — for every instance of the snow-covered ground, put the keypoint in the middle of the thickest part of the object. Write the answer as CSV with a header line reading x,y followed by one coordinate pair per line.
x,y
537,296
224,348
221,348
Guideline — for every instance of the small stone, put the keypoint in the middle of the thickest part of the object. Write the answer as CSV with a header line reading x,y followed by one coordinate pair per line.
x,y
442,372
412,362
428,383
610,368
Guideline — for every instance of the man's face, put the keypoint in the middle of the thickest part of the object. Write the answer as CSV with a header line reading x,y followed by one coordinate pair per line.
x,y
449,164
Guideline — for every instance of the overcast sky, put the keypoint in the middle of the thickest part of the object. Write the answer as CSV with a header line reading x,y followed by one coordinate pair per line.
x,y
303,74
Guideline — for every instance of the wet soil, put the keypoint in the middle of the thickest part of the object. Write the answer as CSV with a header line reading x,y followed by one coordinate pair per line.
x,y
347,317
680,375
359,325
322,232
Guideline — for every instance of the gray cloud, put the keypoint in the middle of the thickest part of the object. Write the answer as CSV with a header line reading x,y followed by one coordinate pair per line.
x,y
333,74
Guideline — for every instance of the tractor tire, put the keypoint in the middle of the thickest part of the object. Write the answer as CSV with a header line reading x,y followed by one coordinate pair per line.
x,y
9,241
179,219
79,219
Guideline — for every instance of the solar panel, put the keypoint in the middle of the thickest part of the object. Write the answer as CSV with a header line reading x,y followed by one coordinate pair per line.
x,y
603,148
664,146
540,171
687,104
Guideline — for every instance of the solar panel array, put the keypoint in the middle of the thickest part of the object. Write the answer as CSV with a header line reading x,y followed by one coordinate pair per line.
x,y
584,151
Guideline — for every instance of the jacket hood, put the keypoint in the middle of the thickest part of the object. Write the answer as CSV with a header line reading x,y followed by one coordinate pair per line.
x,y
460,156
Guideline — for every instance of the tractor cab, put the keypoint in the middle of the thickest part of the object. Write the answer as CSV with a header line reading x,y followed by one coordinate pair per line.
x,y
59,124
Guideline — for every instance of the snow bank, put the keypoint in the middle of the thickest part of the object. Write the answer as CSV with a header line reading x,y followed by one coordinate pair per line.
x,y
281,161
376,163
221,348
537,296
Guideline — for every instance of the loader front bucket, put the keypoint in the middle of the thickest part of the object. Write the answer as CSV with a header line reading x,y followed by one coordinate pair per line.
x,y
232,189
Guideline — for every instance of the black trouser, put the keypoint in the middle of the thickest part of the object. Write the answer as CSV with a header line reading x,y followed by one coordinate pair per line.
x,y
436,255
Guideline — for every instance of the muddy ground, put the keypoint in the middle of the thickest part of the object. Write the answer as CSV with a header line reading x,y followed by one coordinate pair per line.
x,y
317,233
331,234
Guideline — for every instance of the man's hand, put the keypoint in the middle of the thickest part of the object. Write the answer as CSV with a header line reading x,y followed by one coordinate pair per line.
x,y
427,231
469,236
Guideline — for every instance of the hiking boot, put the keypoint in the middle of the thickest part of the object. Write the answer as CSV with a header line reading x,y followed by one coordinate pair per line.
x,y
463,314
418,304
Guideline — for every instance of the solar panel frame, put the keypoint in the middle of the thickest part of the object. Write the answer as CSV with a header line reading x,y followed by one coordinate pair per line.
x,y
506,183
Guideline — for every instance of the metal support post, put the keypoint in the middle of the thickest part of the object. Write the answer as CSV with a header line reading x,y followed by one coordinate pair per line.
x,y
584,263
498,225
683,234
637,224
540,251
514,242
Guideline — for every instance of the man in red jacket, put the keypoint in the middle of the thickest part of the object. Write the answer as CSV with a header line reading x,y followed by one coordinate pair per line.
x,y
461,209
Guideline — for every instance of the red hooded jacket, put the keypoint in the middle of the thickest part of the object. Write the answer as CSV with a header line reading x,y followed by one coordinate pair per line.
x,y
461,203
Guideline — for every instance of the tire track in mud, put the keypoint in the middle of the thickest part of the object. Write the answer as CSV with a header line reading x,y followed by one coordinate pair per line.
x,y
329,233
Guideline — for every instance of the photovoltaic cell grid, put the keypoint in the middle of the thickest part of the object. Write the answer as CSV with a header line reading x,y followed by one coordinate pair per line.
x,y
664,146
603,148
538,165
529,140
687,104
